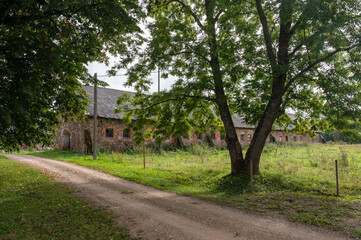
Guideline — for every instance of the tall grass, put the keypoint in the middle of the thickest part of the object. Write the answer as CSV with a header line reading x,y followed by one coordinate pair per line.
x,y
307,167
297,180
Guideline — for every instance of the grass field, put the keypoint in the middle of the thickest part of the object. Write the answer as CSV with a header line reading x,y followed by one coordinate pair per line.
x,y
32,206
297,180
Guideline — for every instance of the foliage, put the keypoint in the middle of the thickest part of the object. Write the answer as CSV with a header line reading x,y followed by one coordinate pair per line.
x,y
34,207
297,181
44,49
254,58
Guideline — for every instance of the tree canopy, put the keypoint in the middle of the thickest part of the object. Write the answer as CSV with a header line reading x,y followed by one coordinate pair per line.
x,y
44,48
254,58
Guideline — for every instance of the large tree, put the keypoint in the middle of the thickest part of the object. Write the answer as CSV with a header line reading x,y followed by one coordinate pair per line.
x,y
44,48
255,58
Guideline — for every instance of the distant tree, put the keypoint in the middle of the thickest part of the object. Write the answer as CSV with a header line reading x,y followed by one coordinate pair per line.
x,y
44,48
255,58
351,135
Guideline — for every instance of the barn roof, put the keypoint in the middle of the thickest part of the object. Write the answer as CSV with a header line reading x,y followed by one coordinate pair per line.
x,y
107,103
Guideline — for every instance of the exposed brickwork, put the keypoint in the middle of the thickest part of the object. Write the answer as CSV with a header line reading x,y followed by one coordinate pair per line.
x,y
119,140
77,141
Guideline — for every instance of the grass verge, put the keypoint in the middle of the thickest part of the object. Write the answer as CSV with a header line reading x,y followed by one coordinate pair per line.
x,y
32,206
296,183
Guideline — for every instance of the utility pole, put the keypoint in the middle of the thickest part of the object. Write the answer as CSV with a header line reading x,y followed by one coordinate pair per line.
x,y
158,80
95,117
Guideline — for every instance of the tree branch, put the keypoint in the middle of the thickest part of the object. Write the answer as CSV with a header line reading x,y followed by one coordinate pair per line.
x,y
184,52
293,29
201,97
266,34
311,65
287,98
175,99
155,104
188,9
295,50
218,15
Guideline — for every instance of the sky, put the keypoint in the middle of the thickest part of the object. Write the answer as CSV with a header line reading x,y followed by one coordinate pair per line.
x,y
118,81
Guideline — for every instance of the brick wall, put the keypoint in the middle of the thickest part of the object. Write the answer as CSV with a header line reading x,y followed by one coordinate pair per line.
x,y
120,137
118,141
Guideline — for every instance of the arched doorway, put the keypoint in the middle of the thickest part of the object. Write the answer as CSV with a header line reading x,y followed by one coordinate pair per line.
x,y
66,137
272,139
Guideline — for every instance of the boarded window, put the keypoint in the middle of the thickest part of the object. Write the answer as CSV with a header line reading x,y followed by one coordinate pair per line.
x,y
300,139
109,132
126,133
242,137
294,139
281,139
249,138
213,136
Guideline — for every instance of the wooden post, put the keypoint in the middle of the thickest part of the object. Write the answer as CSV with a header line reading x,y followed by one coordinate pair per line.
x,y
337,187
251,175
95,118
144,156
158,80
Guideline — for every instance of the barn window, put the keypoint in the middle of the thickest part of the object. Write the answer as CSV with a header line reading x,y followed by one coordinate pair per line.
x,y
294,139
126,133
222,136
242,137
301,139
213,136
186,137
280,138
109,132
249,138
199,136
286,138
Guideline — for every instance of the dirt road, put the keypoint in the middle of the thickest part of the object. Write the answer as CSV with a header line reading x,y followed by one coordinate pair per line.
x,y
154,214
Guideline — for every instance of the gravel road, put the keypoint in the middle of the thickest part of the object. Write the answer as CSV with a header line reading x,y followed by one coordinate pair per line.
x,y
154,214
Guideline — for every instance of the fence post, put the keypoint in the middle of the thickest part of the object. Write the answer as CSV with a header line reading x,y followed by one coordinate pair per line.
x,y
251,175
144,156
95,118
338,190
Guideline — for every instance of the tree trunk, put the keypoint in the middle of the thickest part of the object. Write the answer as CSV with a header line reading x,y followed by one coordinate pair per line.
x,y
179,142
88,142
261,133
233,144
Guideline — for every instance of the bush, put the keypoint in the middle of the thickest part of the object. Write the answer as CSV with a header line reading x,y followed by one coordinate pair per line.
x,y
102,150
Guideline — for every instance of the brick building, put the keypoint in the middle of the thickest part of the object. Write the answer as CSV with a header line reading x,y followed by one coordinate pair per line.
x,y
114,135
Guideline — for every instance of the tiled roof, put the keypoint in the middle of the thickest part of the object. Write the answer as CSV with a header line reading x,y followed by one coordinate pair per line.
x,y
107,103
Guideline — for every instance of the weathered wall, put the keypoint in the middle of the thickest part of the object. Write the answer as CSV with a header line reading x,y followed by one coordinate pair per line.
x,y
77,141
75,129
118,141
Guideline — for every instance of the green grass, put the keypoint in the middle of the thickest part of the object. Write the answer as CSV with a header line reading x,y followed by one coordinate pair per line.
x,y
297,180
32,206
